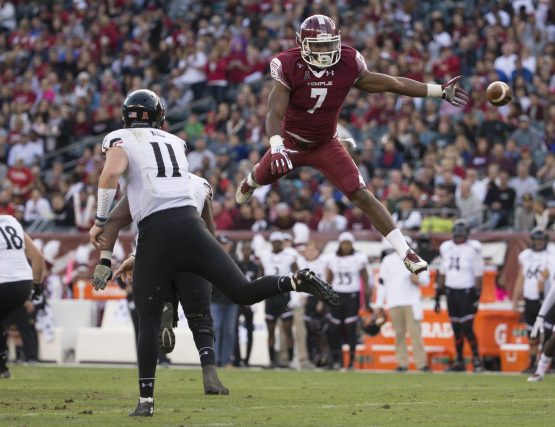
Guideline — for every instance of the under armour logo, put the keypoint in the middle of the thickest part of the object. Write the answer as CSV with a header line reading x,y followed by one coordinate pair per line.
x,y
143,385
205,353
300,65
328,73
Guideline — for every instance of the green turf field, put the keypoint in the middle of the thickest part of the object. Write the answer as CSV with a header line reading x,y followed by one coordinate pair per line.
x,y
38,396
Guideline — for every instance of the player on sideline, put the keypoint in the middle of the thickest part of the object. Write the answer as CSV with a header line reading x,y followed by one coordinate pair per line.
x,y
193,291
311,83
345,269
151,163
17,277
541,326
460,278
530,284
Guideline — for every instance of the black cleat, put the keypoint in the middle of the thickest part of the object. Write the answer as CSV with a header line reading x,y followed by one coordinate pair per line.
x,y
456,367
477,364
308,282
5,374
145,409
166,337
212,384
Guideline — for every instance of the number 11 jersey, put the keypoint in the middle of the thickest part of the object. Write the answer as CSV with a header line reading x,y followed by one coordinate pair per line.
x,y
157,176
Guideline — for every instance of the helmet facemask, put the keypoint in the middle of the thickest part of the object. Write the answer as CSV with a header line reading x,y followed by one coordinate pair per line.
x,y
321,51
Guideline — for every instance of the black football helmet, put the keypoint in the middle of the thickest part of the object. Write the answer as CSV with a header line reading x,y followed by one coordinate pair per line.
x,y
538,239
142,108
460,231
370,322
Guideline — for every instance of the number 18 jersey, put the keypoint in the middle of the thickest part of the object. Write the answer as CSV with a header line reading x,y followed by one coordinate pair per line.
x,y
14,266
157,176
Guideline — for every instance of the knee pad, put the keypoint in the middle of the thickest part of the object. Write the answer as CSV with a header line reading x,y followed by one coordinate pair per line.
x,y
200,323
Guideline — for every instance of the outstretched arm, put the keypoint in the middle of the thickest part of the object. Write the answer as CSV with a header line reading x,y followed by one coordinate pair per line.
x,y
377,82
119,217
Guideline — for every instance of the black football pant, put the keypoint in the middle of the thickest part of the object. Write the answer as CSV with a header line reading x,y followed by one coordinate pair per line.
x,y
346,315
174,241
12,296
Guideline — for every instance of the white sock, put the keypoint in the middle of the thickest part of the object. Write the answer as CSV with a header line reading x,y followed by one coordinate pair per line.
x,y
146,399
543,364
251,181
397,240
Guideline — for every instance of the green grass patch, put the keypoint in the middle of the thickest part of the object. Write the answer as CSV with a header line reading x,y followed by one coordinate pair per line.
x,y
53,396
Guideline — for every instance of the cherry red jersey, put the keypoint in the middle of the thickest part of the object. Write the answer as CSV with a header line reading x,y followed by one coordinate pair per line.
x,y
316,95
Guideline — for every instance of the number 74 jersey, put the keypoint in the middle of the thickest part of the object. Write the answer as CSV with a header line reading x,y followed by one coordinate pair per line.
x,y
461,263
316,96
157,176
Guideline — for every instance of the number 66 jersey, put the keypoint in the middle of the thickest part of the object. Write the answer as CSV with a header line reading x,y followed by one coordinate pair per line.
x,y
14,266
157,176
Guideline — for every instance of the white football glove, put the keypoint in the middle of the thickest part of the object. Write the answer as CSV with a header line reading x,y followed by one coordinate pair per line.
x,y
538,327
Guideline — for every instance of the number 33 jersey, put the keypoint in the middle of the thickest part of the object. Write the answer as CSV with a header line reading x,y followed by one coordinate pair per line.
x,y
13,262
316,96
157,176
461,264
346,271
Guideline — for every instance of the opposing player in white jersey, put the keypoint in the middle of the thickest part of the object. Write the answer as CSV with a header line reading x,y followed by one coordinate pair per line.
x,y
532,263
172,238
193,291
545,323
460,278
314,310
17,277
278,261
346,270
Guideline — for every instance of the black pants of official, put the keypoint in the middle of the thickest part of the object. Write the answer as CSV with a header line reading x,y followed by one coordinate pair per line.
x,y
346,316
175,241
12,296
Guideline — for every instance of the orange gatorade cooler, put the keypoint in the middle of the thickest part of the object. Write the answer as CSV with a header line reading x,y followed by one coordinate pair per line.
x,y
514,357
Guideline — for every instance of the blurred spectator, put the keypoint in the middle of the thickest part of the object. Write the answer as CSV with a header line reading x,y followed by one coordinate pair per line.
x,y
524,214
500,200
37,208
331,219
201,158
523,182
469,206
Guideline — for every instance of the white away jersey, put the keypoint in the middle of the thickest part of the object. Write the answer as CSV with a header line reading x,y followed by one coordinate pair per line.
x,y
13,262
461,264
157,177
317,265
346,271
277,264
201,191
533,264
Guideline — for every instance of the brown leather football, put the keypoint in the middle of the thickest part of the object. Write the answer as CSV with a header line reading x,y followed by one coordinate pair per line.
x,y
499,93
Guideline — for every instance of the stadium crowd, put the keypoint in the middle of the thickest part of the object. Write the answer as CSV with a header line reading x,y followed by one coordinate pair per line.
x,y
66,66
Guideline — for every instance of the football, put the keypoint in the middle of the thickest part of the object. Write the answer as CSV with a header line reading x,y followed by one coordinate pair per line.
x,y
499,93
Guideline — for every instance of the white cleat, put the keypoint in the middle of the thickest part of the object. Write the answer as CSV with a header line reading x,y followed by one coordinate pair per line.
x,y
244,192
536,378
414,263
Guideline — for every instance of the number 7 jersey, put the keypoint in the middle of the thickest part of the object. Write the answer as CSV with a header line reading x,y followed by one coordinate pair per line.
x,y
316,96
157,176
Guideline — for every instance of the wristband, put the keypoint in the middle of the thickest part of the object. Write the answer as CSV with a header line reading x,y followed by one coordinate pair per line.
x,y
104,203
434,91
105,254
276,141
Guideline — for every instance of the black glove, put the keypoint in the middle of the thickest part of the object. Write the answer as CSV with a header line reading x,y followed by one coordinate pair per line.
x,y
37,291
102,273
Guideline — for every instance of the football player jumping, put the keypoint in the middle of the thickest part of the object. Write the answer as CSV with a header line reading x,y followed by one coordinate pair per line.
x,y
311,83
